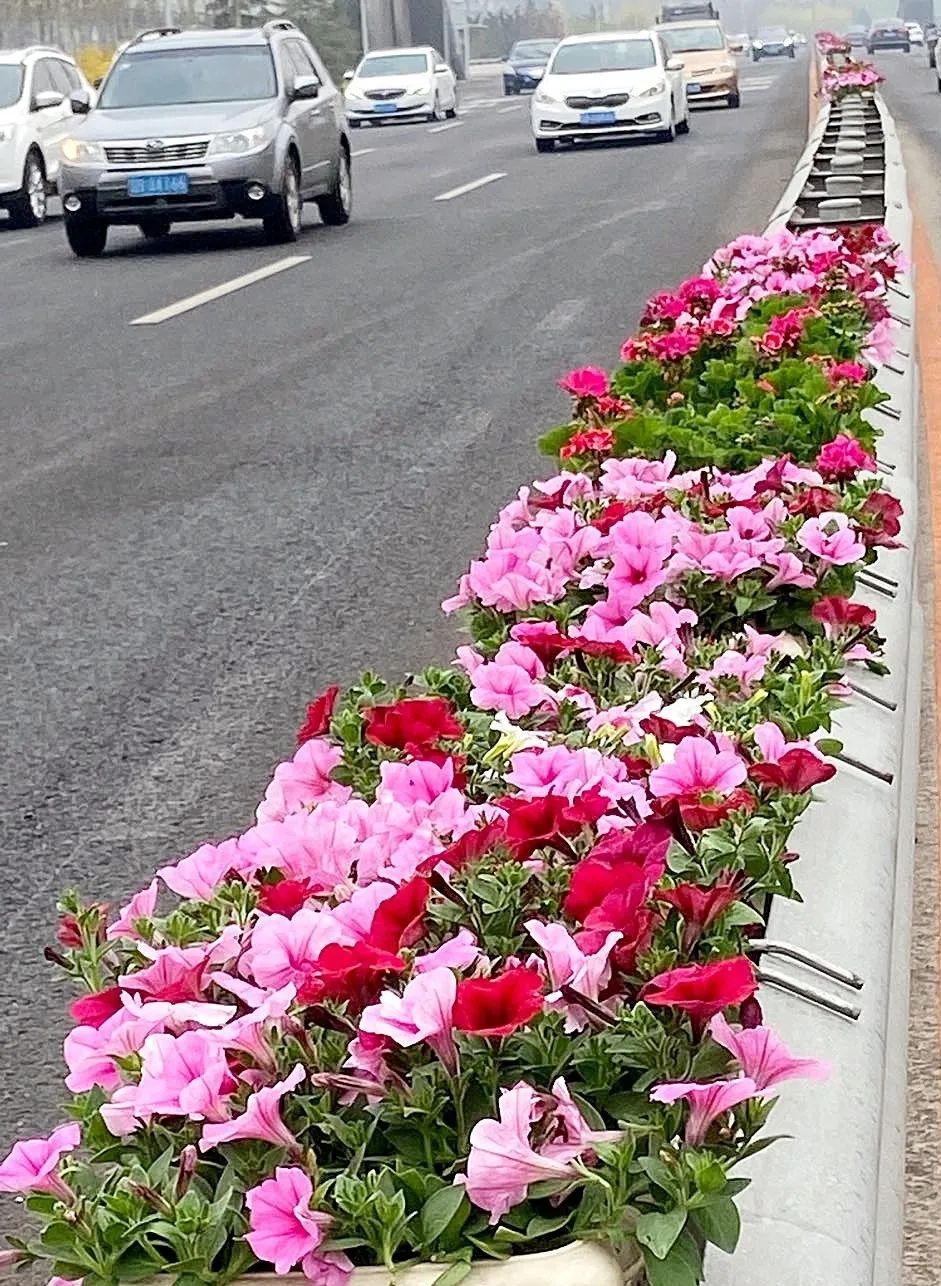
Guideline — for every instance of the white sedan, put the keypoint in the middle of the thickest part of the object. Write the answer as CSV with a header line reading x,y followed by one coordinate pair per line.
x,y
401,84
610,85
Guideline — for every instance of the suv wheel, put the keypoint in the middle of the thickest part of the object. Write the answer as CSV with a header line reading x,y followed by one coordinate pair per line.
x,y
337,206
285,224
436,114
87,237
155,229
28,206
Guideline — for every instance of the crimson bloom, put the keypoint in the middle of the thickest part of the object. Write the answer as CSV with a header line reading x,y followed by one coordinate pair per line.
x,y
399,920
348,973
618,861
703,990
699,907
880,521
796,772
498,1006
468,847
284,898
412,722
550,820
97,1008
837,614
319,714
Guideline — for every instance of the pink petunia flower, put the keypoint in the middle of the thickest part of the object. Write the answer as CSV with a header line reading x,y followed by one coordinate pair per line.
x,y
303,780
585,972
423,1012
698,768
831,538
32,1164
140,907
706,1102
260,1120
505,687
763,1056
283,1229
185,1075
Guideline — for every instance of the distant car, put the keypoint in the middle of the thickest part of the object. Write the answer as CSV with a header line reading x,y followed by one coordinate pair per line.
x,y
772,42
916,33
711,70
526,63
207,124
401,84
857,37
610,85
740,43
36,87
888,33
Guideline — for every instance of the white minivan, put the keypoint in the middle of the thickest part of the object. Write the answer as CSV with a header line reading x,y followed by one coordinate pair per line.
x,y
609,85
401,84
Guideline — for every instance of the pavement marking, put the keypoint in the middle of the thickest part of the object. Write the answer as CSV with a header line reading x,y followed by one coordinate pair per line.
x,y
362,151
561,316
13,241
218,292
514,107
470,187
439,129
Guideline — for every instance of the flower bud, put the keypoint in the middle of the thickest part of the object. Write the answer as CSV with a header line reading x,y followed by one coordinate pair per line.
x,y
187,1169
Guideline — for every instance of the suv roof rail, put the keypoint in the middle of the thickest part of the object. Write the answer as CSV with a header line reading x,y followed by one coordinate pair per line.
x,y
280,24
152,32
45,49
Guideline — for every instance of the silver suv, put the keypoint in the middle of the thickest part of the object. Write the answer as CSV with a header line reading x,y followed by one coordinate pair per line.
x,y
196,125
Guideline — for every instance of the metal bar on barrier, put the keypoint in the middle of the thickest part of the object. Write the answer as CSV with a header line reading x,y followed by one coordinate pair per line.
x,y
873,584
889,580
890,411
878,773
871,696
776,947
811,994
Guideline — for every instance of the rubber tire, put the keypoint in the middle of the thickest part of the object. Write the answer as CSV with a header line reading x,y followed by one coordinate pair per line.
x,y
791,54
667,135
87,237
21,212
682,127
356,124
154,229
939,84
544,145
333,210
437,115
451,113
756,58
279,228
735,99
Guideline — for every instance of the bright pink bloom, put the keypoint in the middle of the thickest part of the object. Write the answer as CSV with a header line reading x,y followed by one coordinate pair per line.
x,y
505,687
303,780
706,1102
32,1164
199,875
423,1012
847,373
831,538
283,950
175,974
569,966
698,768
184,1076
763,1056
459,952
283,1228
843,458
587,381
140,907
260,1120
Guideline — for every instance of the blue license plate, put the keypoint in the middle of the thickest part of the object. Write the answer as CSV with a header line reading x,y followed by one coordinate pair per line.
x,y
598,118
693,87
386,109
158,185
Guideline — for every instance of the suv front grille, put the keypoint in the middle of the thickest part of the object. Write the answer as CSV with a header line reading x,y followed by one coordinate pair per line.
x,y
585,104
384,95
193,149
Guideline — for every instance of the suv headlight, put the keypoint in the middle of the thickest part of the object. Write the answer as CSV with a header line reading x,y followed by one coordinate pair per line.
x,y
77,149
654,91
245,140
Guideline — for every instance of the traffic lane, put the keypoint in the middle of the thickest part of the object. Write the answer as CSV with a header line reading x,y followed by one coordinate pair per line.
x,y
278,495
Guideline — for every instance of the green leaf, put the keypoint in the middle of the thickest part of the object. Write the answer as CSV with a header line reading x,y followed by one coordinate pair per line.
x,y
659,1231
453,1274
721,1223
674,1271
440,1209
544,1225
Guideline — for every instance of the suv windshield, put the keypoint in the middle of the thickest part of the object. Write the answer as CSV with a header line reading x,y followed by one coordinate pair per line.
x,y
687,40
163,77
532,49
11,83
603,55
393,65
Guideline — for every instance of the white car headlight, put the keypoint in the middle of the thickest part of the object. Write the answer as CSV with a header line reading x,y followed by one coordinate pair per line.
x,y
76,149
654,90
543,96
234,144
757,44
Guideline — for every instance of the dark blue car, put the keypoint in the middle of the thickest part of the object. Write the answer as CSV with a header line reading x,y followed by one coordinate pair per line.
x,y
526,63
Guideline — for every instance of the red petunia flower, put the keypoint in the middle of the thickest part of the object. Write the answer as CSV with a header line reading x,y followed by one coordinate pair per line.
x,y
414,722
468,848
700,812
284,898
550,820
703,990
93,1010
700,907
796,772
839,614
399,920
353,974
319,714
498,1006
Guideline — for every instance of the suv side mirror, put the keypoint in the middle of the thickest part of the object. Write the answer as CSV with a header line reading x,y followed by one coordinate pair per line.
x,y
305,87
80,102
47,98
675,64
440,67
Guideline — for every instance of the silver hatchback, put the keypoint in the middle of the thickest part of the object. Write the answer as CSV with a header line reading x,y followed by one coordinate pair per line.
x,y
207,124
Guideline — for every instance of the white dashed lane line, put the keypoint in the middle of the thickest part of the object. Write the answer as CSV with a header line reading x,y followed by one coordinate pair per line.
x,y
440,129
363,151
218,292
470,187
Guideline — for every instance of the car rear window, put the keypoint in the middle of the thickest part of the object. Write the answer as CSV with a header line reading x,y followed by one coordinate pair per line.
x,y
392,65
11,83
603,55
164,77
687,40
533,49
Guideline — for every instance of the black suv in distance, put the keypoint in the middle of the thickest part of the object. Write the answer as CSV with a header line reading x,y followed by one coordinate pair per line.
x,y
207,124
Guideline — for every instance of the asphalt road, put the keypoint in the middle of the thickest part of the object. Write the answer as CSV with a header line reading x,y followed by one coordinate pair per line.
x,y
203,521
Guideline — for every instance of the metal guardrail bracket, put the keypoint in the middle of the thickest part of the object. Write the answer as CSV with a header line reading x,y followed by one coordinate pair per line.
x,y
777,947
887,410
871,696
811,994
888,580
879,775
876,585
